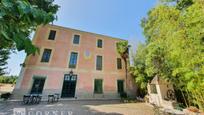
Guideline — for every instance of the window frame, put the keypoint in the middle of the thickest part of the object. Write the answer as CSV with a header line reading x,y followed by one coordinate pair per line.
x,y
119,65
42,84
37,76
96,89
42,60
118,85
49,35
99,68
73,38
73,66
97,43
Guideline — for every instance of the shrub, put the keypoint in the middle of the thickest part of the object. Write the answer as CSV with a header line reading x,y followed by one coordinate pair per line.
x,y
8,79
5,95
178,106
123,95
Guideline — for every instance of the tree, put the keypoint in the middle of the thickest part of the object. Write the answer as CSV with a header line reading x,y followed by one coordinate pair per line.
x,y
174,47
123,50
4,55
180,4
138,70
18,18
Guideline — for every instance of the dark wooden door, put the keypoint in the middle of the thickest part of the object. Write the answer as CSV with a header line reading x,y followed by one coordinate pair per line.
x,y
38,85
69,86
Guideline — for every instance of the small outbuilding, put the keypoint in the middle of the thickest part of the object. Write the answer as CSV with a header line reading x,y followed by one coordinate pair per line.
x,y
161,93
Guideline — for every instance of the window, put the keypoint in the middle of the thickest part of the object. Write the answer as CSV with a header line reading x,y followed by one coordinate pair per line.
x,y
120,85
52,35
73,60
119,63
153,88
46,55
98,86
38,85
99,63
99,43
76,39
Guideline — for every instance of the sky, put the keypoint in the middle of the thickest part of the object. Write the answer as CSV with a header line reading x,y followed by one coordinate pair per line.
x,y
117,18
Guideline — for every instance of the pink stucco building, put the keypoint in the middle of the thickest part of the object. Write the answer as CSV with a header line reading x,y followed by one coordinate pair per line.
x,y
75,64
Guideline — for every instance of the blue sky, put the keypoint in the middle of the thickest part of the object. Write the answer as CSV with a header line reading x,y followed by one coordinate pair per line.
x,y
117,18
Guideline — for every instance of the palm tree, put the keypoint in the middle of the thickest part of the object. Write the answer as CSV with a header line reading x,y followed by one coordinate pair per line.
x,y
123,50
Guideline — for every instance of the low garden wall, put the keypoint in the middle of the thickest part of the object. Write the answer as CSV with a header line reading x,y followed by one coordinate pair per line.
x,y
4,88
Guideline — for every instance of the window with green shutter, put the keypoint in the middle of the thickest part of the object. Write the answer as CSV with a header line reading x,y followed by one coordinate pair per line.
x,y
120,85
76,39
38,84
119,63
99,43
98,86
99,62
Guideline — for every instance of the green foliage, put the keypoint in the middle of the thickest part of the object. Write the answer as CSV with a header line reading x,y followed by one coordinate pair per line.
x,y
123,50
174,47
180,4
138,70
8,79
18,18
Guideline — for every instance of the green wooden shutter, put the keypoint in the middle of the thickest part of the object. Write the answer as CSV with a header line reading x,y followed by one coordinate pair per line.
x,y
76,39
119,63
98,86
99,43
38,85
120,84
99,63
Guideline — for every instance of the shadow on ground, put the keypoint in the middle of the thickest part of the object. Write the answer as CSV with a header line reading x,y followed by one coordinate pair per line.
x,y
101,107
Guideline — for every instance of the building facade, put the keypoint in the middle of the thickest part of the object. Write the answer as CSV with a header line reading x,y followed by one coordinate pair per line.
x,y
74,64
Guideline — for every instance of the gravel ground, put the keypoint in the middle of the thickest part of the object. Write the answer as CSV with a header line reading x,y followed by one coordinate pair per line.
x,y
113,107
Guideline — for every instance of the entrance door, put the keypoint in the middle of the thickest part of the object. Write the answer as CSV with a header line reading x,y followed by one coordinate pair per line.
x,y
38,85
69,85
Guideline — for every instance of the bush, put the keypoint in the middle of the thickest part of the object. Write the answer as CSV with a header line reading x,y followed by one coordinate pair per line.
x,y
5,95
8,79
123,95
178,106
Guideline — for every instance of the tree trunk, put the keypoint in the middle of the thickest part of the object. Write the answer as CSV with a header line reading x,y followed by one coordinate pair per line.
x,y
126,74
189,98
184,97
